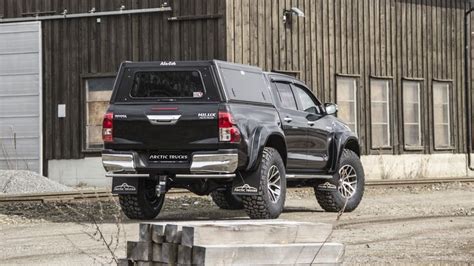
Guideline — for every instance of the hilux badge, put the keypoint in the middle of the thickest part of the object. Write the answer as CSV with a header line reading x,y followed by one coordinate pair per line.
x,y
207,115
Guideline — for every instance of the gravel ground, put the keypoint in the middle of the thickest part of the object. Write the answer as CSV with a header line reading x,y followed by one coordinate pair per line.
x,y
401,225
20,181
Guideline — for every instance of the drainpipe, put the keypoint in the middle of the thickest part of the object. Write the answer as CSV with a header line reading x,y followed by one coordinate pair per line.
x,y
467,80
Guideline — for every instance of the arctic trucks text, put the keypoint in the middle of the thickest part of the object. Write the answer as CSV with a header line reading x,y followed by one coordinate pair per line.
x,y
228,130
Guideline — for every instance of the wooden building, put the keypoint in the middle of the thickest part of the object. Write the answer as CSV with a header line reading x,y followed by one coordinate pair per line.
x,y
395,67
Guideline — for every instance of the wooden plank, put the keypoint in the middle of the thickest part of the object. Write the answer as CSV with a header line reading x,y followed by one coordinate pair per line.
x,y
124,262
268,47
282,39
238,32
185,255
261,35
145,232
245,31
341,38
157,233
255,233
169,253
283,254
171,232
221,49
230,23
253,33
157,252
139,251
275,51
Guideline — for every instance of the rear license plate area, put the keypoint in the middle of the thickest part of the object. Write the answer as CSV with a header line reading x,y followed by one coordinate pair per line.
x,y
168,158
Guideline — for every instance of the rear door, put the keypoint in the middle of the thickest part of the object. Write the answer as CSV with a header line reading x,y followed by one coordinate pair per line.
x,y
294,126
166,109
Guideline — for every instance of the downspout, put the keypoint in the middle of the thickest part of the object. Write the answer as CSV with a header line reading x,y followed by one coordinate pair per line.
x,y
467,87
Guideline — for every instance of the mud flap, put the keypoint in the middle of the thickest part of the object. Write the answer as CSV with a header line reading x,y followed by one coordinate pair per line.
x,y
124,185
246,184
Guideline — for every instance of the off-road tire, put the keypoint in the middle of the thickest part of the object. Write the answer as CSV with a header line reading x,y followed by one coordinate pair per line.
x,y
332,200
261,206
226,201
145,205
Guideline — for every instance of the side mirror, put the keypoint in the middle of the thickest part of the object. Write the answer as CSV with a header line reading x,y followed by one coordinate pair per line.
x,y
331,109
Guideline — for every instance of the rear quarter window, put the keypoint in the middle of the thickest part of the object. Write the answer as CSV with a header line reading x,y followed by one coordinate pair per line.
x,y
245,85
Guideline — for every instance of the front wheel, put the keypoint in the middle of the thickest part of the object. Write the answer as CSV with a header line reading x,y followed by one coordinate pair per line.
x,y
269,202
345,190
145,205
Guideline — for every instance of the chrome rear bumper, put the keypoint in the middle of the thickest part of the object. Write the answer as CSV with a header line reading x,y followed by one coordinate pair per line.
x,y
221,164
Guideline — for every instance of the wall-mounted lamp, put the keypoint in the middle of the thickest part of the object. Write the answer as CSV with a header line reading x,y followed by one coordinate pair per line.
x,y
288,14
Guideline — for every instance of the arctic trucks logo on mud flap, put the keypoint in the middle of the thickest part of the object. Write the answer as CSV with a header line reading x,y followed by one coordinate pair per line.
x,y
327,185
125,188
246,188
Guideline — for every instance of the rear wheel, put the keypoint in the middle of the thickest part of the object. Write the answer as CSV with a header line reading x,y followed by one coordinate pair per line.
x,y
269,202
144,205
345,190
224,199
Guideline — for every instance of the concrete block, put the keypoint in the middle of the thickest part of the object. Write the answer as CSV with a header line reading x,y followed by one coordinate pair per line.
x,y
72,172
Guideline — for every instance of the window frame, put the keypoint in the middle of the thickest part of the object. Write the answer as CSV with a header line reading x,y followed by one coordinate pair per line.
x,y
278,95
84,78
421,145
450,147
316,101
356,79
389,81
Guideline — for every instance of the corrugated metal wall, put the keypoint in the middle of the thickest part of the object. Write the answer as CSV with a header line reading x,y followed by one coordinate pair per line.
x,y
20,96
396,39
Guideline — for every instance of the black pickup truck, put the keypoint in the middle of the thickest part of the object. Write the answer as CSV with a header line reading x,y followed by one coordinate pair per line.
x,y
232,131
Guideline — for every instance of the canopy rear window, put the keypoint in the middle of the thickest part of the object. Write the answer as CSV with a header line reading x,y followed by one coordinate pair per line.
x,y
168,84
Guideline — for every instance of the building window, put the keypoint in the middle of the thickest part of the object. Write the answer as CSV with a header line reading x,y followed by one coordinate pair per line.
x,y
380,112
441,114
412,113
98,93
347,101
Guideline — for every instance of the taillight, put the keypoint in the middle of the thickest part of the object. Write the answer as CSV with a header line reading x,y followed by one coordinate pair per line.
x,y
108,127
228,131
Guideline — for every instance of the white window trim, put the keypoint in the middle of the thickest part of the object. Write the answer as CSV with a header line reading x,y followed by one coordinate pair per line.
x,y
356,121
447,86
389,144
420,142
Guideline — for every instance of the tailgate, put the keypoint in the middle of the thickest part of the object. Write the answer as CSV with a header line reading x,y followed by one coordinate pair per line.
x,y
176,127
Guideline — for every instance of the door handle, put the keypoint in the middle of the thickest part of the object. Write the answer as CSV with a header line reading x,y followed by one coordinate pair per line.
x,y
311,123
288,119
163,119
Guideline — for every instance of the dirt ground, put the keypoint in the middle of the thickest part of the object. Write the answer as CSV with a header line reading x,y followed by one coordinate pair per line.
x,y
421,224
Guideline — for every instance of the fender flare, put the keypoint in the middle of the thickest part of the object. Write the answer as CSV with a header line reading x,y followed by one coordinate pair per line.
x,y
341,141
260,138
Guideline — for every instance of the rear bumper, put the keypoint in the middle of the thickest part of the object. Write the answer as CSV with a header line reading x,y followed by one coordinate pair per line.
x,y
216,164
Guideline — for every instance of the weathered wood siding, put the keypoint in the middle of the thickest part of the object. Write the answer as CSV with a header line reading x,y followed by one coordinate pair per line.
x,y
396,39
77,47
